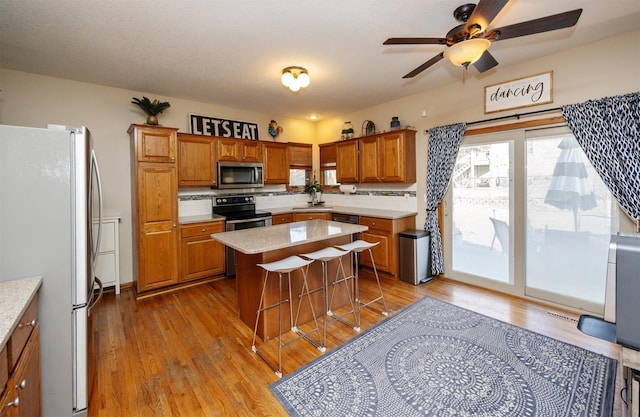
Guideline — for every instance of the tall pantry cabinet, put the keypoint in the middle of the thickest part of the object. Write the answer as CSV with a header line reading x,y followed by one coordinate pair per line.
x,y
154,200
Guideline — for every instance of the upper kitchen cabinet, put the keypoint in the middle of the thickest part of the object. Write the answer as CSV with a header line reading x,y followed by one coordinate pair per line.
x,y
275,158
347,161
196,160
300,154
389,157
154,144
242,150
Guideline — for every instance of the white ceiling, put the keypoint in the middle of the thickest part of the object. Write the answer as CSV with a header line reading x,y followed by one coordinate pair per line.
x,y
232,51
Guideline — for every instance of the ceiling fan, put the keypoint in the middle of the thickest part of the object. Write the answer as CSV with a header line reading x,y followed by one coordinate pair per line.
x,y
468,42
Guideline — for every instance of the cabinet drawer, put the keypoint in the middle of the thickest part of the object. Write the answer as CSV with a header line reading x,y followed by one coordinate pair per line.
x,y
311,216
377,223
21,334
282,218
201,229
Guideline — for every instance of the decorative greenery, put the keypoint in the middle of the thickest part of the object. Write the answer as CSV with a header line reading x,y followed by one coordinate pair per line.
x,y
313,187
151,108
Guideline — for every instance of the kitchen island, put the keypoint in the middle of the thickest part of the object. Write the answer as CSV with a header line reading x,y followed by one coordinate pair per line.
x,y
272,243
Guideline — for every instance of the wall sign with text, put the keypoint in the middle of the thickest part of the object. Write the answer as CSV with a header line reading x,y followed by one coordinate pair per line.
x,y
522,92
213,126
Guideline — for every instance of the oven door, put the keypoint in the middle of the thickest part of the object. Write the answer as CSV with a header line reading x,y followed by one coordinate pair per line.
x,y
231,225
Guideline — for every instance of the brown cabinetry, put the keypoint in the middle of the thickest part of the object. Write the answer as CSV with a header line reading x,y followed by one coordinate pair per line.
x,y
21,356
200,255
276,163
239,150
386,232
155,213
347,161
298,217
389,157
154,144
196,160
281,218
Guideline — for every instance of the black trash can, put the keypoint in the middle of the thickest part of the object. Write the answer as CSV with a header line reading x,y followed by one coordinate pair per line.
x,y
415,257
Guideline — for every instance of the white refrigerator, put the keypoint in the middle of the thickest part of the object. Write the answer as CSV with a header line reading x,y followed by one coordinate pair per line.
x,y
49,193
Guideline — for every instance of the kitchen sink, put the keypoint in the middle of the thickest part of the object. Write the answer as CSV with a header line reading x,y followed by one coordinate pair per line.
x,y
313,208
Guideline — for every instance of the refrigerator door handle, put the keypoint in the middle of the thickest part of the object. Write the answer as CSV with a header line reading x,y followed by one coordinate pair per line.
x,y
95,170
92,302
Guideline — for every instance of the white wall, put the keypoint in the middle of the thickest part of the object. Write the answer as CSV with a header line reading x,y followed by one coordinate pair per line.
x,y
604,68
35,100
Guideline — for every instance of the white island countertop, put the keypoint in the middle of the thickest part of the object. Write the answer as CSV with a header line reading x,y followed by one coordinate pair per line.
x,y
15,297
265,239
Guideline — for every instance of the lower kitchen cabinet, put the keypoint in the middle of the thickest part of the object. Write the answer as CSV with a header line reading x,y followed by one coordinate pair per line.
x,y
386,232
200,255
282,218
298,217
21,398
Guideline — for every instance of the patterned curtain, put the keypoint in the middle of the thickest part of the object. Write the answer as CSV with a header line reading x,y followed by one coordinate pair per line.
x,y
444,142
608,131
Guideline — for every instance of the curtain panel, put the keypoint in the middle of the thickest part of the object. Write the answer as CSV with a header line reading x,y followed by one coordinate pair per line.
x,y
444,143
608,131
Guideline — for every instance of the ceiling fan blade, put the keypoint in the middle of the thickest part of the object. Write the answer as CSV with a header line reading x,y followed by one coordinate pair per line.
x,y
484,13
486,62
425,65
415,41
544,24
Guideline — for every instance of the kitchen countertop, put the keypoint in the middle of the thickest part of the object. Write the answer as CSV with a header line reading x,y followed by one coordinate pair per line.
x,y
15,297
359,211
285,235
200,218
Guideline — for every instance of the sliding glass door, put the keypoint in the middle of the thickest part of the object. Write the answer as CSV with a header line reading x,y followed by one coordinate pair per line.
x,y
568,215
525,213
481,211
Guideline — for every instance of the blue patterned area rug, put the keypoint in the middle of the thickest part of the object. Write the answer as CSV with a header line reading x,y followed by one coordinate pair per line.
x,y
435,359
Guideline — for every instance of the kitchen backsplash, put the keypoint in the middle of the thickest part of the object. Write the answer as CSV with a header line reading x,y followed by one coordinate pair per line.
x,y
194,202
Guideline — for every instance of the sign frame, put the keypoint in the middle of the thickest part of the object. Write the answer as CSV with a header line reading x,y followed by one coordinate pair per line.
x,y
533,90
225,128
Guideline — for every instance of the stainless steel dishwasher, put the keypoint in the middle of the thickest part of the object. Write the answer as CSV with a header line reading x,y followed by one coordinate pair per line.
x,y
348,218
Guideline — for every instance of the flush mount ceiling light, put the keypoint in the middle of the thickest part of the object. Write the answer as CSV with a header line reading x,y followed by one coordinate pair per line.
x,y
295,78
466,52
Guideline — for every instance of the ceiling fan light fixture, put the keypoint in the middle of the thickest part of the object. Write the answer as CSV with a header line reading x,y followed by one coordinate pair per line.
x,y
295,78
467,52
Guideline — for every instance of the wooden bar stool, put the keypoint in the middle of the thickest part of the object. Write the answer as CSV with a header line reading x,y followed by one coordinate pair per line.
x,y
325,256
356,248
286,266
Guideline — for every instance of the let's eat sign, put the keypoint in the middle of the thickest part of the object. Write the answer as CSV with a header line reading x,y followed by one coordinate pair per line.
x,y
212,126
521,92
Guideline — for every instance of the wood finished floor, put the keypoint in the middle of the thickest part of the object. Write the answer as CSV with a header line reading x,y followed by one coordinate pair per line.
x,y
187,354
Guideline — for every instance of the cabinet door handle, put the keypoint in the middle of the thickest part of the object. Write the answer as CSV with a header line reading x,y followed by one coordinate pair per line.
x,y
174,226
32,323
22,384
203,229
14,403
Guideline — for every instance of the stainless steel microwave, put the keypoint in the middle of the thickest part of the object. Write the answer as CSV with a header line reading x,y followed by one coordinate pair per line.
x,y
240,174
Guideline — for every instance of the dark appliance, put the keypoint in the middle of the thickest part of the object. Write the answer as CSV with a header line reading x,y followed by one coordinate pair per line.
x,y
240,174
240,212
627,265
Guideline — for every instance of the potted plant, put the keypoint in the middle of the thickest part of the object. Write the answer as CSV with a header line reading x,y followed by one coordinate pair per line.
x,y
151,108
314,190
